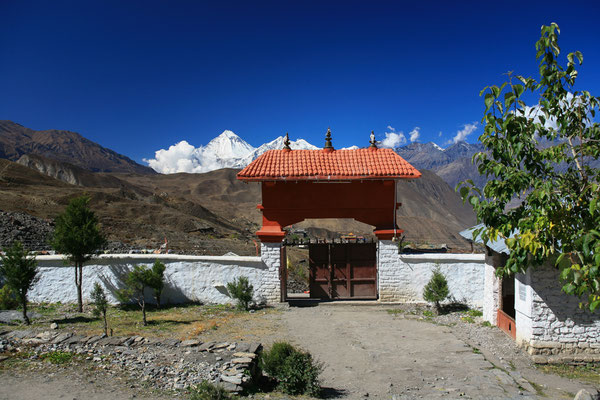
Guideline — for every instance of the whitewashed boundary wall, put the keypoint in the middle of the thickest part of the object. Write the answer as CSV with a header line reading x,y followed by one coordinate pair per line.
x,y
188,278
402,277
550,323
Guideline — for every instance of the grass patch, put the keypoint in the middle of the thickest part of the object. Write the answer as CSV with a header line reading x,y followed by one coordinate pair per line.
x,y
468,319
180,321
585,372
57,357
486,324
475,313
396,311
476,350
428,314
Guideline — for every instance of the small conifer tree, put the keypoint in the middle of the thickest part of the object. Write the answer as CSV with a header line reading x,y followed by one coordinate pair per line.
x,y
19,271
100,304
436,289
241,290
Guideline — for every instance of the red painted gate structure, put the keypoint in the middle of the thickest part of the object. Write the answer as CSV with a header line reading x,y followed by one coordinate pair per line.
x,y
343,271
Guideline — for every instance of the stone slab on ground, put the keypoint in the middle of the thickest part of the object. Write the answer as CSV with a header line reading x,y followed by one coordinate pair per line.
x,y
8,316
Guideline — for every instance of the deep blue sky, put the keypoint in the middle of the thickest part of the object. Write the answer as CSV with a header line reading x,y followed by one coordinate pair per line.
x,y
140,76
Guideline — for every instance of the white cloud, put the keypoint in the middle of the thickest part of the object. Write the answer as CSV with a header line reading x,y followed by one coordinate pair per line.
x,y
393,139
183,157
414,134
462,134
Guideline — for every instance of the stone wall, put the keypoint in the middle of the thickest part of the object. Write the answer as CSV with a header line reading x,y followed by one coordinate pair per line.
x,y
402,277
188,278
491,290
550,324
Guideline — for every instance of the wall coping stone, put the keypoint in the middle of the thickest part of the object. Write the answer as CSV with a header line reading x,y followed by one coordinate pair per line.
x,y
152,257
443,257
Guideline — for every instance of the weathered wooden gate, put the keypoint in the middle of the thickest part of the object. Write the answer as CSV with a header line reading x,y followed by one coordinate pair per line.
x,y
343,270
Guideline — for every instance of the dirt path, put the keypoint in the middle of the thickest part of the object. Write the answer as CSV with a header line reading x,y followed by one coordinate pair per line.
x,y
367,352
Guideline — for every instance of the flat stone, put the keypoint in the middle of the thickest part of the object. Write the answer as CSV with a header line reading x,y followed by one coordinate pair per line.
x,y
54,325
47,335
243,347
220,346
111,341
34,341
241,360
190,343
232,379
94,339
75,339
231,387
503,377
20,334
2,358
241,354
583,395
206,346
172,342
62,337
254,347
539,359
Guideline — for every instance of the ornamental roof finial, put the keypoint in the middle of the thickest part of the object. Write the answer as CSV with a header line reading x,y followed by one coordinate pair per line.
x,y
286,142
372,141
328,144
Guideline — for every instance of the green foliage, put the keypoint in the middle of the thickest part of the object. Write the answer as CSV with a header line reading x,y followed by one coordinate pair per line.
x,y
427,314
57,357
136,282
209,391
542,156
295,371
157,280
19,271
468,319
241,290
78,236
487,324
8,300
100,304
436,289
475,313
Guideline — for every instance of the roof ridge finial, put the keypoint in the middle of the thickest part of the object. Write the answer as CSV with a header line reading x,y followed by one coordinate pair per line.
x,y
286,142
373,141
328,144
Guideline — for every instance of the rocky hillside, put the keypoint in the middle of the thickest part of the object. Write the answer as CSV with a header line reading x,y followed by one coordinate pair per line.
x,y
65,146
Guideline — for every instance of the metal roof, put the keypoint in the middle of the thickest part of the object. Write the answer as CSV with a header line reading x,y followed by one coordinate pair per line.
x,y
499,246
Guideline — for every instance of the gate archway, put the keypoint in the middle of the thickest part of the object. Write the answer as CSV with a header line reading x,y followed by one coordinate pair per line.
x,y
328,183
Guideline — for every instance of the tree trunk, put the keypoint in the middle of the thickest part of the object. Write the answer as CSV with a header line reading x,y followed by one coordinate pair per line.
x,y
157,300
24,305
144,310
105,323
78,272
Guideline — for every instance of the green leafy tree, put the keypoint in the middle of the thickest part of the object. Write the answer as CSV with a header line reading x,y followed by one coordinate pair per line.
x,y
19,271
157,282
436,289
546,158
136,282
78,236
100,304
241,290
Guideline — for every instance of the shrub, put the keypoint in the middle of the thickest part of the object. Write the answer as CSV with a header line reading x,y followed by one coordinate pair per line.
x,y
8,300
157,280
208,391
19,271
57,357
241,290
295,371
100,304
436,289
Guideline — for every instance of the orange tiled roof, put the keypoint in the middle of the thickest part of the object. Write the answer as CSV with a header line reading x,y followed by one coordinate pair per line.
x,y
281,165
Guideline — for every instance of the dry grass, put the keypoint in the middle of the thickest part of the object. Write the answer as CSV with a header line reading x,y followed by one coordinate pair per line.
x,y
587,372
182,321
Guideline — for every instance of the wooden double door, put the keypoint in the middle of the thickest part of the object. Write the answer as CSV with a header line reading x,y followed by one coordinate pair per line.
x,y
343,271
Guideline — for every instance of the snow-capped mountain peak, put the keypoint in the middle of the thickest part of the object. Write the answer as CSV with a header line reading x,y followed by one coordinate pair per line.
x,y
276,144
436,146
228,145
